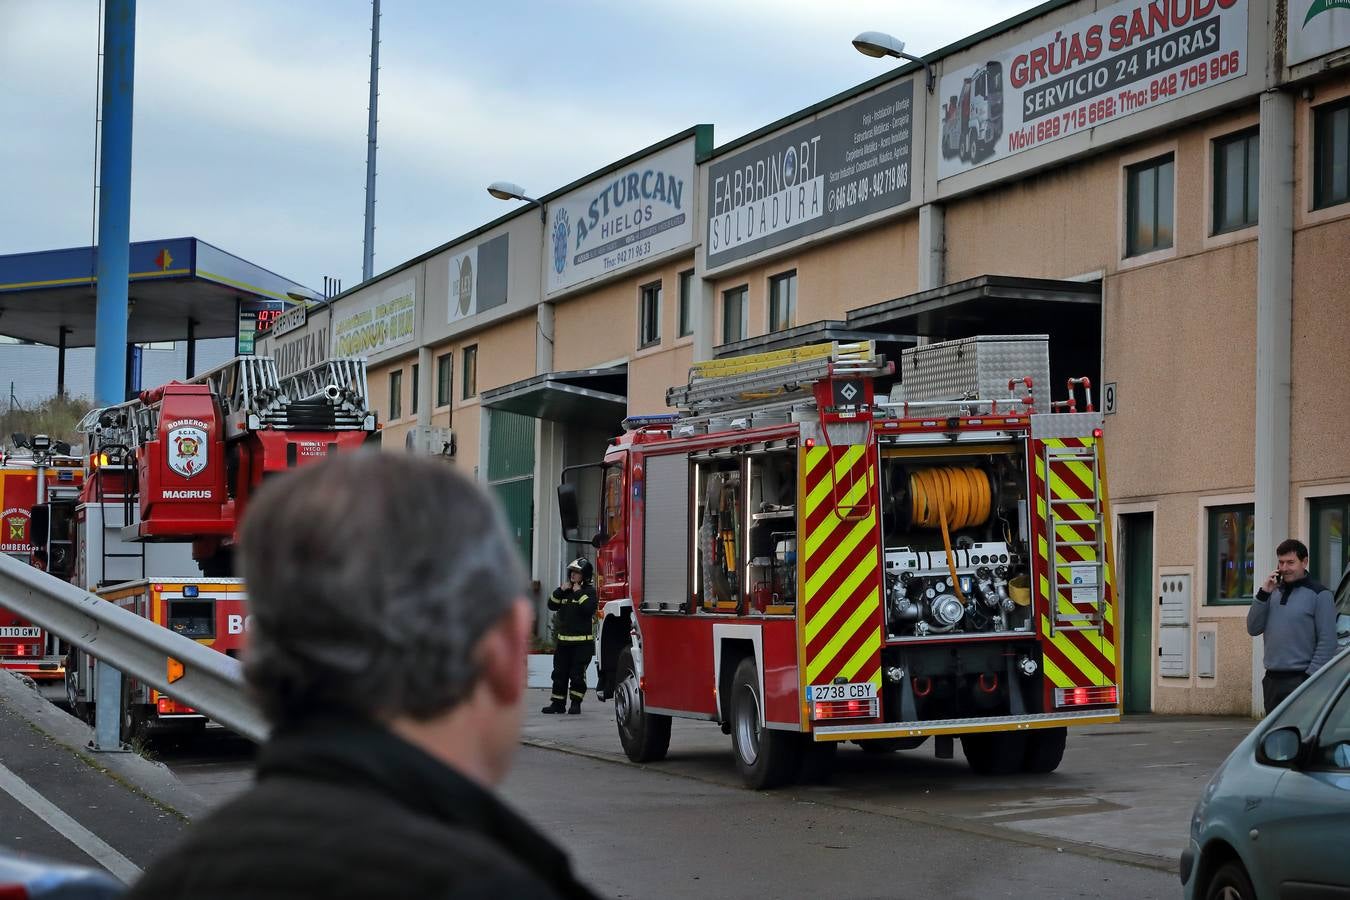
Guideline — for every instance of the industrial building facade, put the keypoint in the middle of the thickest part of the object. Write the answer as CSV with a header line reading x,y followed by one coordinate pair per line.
x,y
1161,187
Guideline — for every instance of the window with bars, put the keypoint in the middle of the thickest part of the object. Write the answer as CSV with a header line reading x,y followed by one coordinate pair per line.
x,y
1328,551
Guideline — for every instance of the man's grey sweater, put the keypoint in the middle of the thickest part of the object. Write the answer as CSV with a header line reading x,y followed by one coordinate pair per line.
x,y
1299,622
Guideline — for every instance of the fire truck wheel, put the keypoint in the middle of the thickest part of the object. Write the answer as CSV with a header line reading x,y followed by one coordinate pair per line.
x,y
766,757
133,717
645,736
1045,749
994,753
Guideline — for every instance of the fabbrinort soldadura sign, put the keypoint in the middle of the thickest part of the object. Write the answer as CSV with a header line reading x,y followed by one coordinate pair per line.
x,y
842,166
622,218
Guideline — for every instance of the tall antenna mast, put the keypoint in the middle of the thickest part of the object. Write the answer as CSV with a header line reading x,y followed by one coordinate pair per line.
x,y
368,258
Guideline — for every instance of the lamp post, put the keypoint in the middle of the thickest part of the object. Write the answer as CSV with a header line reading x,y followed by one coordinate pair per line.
x,y
879,44
505,190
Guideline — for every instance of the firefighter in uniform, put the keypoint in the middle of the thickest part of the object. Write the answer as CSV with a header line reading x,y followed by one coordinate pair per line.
x,y
575,603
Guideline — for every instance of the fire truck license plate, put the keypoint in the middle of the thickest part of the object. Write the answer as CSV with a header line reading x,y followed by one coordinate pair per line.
x,y
861,690
21,632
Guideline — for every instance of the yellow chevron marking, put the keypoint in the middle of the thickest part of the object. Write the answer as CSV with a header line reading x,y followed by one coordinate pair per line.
x,y
827,525
1057,678
1077,658
822,491
866,609
814,457
865,654
821,616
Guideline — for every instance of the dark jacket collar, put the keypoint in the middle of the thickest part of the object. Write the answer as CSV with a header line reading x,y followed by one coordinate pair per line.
x,y
365,754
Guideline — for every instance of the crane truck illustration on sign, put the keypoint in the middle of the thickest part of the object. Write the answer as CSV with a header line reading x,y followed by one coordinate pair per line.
x,y
807,557
972,121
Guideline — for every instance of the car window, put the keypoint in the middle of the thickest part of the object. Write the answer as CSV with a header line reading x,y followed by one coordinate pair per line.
x,y
1333,744
1303,710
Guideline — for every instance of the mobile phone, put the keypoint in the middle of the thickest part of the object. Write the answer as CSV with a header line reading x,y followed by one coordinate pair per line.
x,y
1279,578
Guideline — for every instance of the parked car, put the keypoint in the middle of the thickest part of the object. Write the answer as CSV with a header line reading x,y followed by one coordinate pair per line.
x,y
1274,821
36,878
1343,611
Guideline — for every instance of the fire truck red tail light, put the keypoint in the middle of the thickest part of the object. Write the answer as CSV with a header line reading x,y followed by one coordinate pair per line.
x,y
809,443
846,709
1096,432
1086,696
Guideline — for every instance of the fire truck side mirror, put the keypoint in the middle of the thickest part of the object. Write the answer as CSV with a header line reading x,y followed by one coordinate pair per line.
x,y
567,512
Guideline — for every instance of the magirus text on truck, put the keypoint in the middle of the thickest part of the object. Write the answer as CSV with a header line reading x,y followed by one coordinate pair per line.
x,y
814,550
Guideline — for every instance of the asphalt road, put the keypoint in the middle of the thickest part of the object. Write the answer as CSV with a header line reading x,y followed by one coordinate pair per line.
x,y
671,832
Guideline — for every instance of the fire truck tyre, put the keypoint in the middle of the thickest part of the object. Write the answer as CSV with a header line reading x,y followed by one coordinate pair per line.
x,y
645,736
133,717
997,753
1231,882
1045,749
766,757
817,763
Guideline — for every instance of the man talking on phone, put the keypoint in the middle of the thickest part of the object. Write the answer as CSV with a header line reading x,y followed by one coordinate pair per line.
x,y
1298,617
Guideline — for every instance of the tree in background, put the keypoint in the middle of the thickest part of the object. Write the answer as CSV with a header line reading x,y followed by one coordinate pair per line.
x,y
56,417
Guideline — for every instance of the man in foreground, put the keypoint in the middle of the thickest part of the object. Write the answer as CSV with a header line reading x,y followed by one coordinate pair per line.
x,y
387,648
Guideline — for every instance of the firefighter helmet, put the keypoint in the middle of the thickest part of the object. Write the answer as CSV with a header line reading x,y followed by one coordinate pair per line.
x,y
583,565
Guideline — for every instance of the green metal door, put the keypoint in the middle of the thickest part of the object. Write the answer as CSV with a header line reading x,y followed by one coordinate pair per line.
x,y
1137,538
510,469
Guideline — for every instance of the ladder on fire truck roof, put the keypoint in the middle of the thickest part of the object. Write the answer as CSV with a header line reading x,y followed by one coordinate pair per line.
x,y
743,381
330,396
1082,536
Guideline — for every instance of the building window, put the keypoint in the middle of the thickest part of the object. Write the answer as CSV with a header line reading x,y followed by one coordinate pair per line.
x,y
1236,177
469,374
1232,530
686,325
783,301
734,314
395,395
1331,148
1148,201
649,314
416,372
444,376
1329,552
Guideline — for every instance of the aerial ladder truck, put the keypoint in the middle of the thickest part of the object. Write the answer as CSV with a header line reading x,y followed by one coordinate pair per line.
x,y
171,474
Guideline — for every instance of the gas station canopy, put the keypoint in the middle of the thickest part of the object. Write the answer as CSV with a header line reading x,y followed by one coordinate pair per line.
x,y
181,288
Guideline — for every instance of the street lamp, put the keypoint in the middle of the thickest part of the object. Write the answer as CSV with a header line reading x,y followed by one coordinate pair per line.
x,y
878,44
505,190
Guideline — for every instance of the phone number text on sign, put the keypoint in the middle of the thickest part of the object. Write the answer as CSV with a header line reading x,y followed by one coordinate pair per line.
x,y
1157,90
860,190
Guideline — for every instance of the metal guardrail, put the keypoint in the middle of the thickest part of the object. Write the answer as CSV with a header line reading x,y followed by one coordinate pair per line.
x,y
212,682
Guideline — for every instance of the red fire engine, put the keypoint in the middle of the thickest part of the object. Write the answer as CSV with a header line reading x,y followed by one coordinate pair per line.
x,y
173,471
32,485
808,561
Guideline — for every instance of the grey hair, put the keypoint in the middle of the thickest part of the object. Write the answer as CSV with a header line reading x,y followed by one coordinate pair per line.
x,y
371,579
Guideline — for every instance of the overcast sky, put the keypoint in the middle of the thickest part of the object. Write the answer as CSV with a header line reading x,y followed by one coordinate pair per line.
x,y
250,121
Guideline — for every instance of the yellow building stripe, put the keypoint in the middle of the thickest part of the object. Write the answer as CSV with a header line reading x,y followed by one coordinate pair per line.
x,y
820,617
89,279
865,654
860,616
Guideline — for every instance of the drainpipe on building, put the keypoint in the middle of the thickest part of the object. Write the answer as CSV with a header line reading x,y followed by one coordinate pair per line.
x,y
1274,317
543,337
703,315
932,254
426,400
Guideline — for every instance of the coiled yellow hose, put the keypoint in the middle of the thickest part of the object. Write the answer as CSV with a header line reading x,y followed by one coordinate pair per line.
x,y
962,495
950,497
